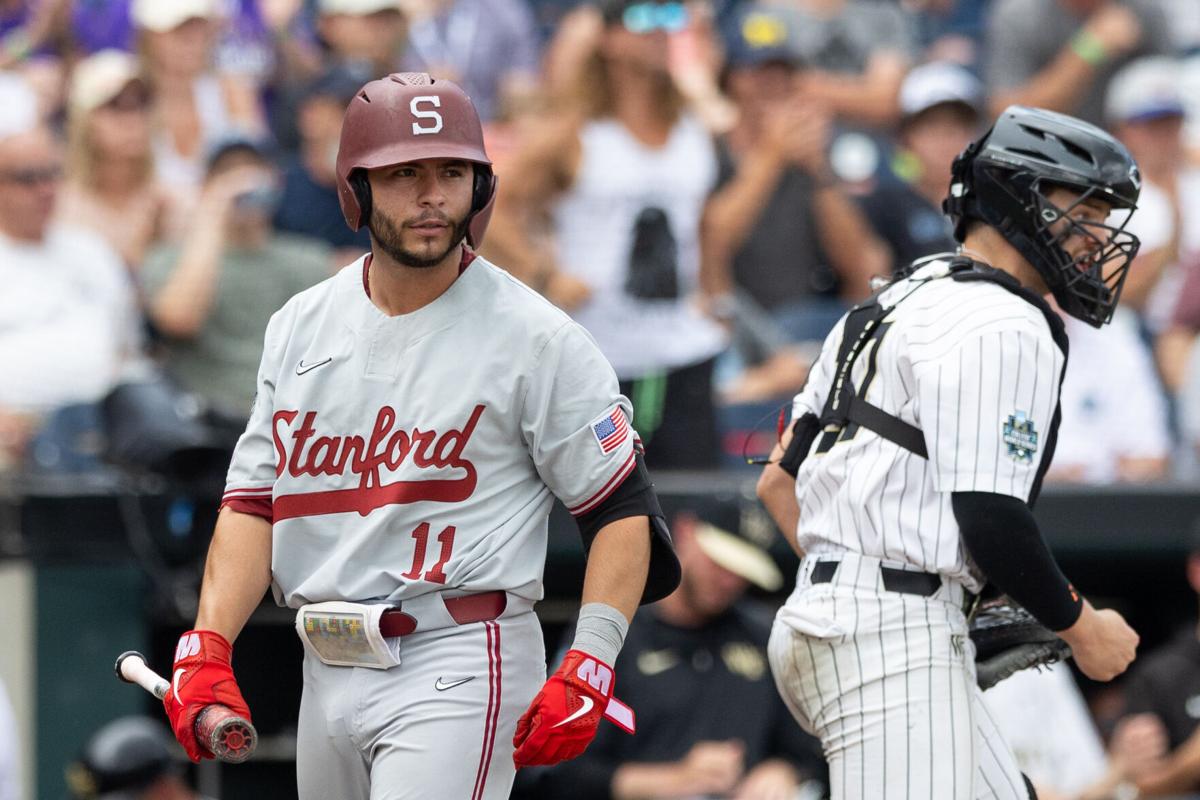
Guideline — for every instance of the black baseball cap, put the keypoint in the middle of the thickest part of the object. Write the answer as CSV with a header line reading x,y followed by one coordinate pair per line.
x,y
121,759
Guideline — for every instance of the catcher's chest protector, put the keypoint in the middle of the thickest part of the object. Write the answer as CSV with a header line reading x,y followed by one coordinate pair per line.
x,y
847,408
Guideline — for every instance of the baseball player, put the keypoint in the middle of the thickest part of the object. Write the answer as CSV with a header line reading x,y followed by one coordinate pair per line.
x,y
416,416
918,447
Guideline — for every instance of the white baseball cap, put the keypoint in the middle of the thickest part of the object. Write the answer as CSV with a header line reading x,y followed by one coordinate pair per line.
x,y
939,82
20,105
100,77
1145,89
165,15
357,8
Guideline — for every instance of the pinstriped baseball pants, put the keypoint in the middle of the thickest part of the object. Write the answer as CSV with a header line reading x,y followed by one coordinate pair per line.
x,y
887,682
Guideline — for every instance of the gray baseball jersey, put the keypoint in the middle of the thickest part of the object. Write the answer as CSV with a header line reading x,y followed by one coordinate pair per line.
x,y
399,457
410,454
886,678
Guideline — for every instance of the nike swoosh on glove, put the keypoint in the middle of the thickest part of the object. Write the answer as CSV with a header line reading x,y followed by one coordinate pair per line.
x,y
563,718
202,676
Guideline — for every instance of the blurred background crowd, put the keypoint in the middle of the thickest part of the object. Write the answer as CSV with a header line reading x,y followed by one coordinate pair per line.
x,y
705,185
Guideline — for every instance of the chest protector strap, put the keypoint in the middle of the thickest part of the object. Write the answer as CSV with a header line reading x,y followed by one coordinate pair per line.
x,y
846,408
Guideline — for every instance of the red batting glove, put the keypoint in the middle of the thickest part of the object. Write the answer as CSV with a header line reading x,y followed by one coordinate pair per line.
x,y
563,718
202,675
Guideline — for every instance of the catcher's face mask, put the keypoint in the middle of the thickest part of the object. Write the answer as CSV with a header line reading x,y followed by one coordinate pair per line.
x,y
1085,247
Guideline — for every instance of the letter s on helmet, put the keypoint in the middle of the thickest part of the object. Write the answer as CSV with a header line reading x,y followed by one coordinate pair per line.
x,y
409,116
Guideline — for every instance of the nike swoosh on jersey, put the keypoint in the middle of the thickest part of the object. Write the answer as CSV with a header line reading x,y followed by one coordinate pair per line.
x,y
583,709
653,662
441,687
302,368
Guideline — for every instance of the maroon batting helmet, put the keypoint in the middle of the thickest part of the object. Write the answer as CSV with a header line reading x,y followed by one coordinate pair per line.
x,y
409,116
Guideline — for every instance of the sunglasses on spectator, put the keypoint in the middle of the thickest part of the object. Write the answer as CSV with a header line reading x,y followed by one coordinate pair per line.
x,y
131,99
649,17
32,176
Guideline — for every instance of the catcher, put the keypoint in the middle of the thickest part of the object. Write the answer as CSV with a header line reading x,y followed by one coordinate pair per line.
x,y
918,448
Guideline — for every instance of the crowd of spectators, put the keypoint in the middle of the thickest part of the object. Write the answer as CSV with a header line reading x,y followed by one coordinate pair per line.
x,y
705,185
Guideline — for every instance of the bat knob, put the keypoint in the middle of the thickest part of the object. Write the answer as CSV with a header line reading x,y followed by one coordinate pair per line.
x,y
122,657
227,736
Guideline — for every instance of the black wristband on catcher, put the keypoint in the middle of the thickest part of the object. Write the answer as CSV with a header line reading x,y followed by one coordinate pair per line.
x,y
804,430
1002,537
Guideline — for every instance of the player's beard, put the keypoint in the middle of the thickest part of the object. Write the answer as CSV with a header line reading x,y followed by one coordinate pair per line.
x,y
389,239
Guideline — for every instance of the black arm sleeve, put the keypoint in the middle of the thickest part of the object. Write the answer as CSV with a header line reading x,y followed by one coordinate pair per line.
x,y
1002,536
635,497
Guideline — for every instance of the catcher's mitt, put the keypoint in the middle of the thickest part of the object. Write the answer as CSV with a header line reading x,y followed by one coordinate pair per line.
x,y
1007,639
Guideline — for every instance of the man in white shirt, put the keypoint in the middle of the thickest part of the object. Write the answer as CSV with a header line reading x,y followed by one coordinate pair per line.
x,y
67,314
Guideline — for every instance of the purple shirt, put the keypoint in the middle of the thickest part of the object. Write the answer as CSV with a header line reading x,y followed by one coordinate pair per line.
x,y
484,41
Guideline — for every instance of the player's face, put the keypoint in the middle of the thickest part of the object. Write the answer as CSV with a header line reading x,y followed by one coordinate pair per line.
x,y
1089,212
30,173
419,209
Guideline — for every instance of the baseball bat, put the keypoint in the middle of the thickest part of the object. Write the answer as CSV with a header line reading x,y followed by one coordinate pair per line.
x,y
227,736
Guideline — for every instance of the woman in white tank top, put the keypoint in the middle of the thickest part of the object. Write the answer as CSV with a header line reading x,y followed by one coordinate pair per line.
x,y
195,107
623,175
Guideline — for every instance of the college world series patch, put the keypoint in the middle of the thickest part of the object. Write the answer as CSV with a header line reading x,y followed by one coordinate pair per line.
x,y
1020,436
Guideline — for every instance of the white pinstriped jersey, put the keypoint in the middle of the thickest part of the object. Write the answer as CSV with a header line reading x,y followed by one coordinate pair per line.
x,y
402,455
972,365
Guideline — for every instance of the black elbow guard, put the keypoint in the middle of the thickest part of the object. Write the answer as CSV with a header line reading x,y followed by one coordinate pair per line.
x,y
804,431
635,497
1003,538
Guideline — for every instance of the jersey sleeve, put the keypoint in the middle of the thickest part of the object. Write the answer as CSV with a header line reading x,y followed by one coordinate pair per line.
x,y
576,423
986,407
250,482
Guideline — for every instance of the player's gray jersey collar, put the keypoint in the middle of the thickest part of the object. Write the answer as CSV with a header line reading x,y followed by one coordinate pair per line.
x,y
467,292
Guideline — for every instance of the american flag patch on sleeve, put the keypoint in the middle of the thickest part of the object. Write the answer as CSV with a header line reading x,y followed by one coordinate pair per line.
x,y
611,431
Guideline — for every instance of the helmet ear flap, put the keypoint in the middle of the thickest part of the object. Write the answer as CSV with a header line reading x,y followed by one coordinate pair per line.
x,y
361,187
484,187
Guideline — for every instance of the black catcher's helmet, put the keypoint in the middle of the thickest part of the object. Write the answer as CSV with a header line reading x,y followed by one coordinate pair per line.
x,y
1002,180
